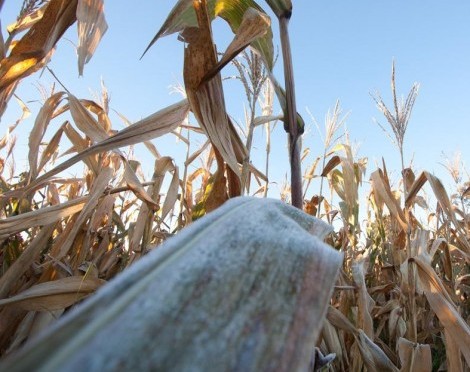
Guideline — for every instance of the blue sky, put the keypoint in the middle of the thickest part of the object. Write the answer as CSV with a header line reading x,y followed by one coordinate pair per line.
x,y
341,50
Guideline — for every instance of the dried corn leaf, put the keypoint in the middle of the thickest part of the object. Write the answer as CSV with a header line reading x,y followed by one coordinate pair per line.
x,y
260,120
30,52
383,191
442,198
150,146
332,340
22,332
183,16
231,287
337,182
414,357
443,307
254,24
5,95
85,121
337,319
54,295
200,58
99,186
103,212
372,355
153,126
39,129
233,12
41,217
454,360
25,113
365,303
332,163
25,22
80,145
32,324
172,194
3,47
136,186
51,150
196,154
91,28
162,122
44,319
396,324
257,173
24,261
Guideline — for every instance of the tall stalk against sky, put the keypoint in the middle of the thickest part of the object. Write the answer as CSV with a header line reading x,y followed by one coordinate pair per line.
x,y
398,121
283,11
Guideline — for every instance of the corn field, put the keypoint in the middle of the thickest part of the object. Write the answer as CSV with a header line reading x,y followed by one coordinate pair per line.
x,y
401,299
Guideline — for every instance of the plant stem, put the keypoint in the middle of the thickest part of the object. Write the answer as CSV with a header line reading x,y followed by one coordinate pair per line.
x,y
321,185
249,143
412,328
294,145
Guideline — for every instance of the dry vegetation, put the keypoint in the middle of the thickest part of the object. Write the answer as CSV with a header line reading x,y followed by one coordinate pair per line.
x,y
402,297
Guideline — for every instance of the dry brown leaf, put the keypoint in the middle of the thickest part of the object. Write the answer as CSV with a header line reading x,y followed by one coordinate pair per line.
x,y
260,120
22,332
39,129
442,198
382,190
218,192
41,217
3,47
79,145
442,305
51,150
98,188
10,318
254,24
103,212
332,163
85,121
172,194
27,257
54,295
332,340
454,360
196,154
340,321
91,28
136,186
42,320
414,357
31,51
153,126
150,146
27,20
365,303
200,58
137,240
5,95
24,114
372,355
396,327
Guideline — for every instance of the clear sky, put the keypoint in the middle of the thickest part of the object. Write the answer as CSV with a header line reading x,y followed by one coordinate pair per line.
x,y
341,49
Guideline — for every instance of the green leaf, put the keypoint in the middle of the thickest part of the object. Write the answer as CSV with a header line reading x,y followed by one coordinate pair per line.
x,y
183,16
232,12
281,96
